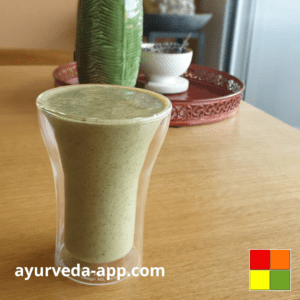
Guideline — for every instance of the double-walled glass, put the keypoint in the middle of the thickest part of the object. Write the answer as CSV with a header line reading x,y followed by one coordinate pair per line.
x,y
101,170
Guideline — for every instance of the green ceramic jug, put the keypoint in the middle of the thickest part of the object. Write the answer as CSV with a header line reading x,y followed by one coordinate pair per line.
x,y
108,41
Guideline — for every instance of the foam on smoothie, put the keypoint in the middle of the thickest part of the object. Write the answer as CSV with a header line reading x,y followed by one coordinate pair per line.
x,y
96,103
102,157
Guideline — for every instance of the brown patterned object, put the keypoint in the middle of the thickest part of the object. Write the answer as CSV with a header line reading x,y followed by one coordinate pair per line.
x,y
213,95
66,75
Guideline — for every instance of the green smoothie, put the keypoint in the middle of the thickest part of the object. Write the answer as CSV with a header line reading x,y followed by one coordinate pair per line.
x,y
103,134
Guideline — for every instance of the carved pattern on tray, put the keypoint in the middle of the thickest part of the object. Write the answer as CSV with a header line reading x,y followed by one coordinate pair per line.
x,y
213,78
66,75
207,110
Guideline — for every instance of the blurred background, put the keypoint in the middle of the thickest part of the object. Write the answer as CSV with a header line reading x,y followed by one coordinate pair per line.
x,y
257,41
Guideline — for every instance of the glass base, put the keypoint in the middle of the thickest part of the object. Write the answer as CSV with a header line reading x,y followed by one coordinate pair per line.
x,y
99,273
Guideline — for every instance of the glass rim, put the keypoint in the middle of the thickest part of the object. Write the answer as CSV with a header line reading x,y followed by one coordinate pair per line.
x,y
161,115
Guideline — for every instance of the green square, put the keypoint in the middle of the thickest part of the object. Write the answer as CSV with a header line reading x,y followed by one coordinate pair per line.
x,y
280,280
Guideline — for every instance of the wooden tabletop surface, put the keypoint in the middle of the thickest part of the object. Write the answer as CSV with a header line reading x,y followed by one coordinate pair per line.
x,y
216,191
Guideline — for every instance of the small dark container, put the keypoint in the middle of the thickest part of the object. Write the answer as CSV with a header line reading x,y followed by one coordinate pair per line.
x,y
174,23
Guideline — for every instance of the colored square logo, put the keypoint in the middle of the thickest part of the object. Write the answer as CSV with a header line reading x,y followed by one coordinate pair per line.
x,y
270,270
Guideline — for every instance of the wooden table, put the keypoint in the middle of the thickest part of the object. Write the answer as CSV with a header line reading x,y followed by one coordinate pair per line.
x,y
216,191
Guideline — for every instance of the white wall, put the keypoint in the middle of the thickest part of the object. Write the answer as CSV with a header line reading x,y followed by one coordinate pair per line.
x,y
273,77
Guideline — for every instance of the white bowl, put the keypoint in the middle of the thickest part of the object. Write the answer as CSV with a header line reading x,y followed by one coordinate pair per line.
x,y
163,70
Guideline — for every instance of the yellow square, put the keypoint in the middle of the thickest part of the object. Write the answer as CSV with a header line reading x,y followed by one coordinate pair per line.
x,y
259,280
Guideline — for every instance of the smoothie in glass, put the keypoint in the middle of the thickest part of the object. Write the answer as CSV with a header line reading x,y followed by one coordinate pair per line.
x,y
103,134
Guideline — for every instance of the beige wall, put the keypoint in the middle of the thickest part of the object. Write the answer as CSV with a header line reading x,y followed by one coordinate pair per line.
x,y
38,24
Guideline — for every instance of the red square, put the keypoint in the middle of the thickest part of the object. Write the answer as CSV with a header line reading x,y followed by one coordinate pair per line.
x,y
259,259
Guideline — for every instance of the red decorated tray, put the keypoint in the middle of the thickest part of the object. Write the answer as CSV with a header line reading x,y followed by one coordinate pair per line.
x,y
212,96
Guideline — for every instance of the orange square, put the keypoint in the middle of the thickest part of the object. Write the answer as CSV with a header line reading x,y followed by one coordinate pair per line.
x,y
280,259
